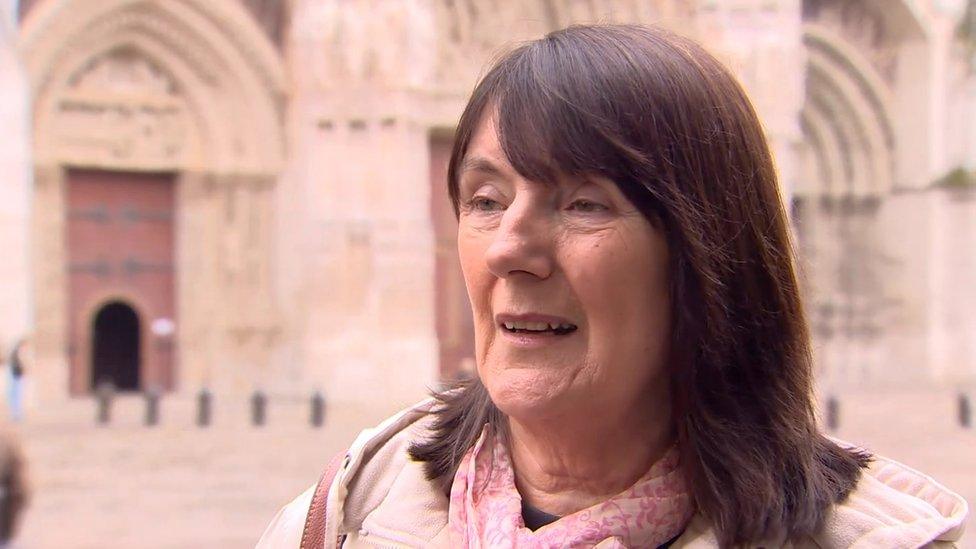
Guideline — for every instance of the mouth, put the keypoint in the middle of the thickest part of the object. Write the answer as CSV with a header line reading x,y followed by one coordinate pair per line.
x,y
536,325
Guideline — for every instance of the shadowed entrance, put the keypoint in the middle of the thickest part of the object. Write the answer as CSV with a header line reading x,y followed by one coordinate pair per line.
x,y
115,347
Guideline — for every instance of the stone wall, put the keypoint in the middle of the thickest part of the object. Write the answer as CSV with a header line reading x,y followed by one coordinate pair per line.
x,y
15,191
306,247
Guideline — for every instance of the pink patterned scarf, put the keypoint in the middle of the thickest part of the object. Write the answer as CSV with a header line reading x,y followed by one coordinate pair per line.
x,y
486,509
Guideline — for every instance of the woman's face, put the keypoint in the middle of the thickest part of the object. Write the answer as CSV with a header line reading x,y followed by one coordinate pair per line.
x,y
568,283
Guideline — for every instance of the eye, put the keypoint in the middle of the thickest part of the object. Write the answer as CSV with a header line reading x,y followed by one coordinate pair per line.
x,y
587,206
484,204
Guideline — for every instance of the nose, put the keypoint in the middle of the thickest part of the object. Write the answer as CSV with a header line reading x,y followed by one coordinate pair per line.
x,y
522,244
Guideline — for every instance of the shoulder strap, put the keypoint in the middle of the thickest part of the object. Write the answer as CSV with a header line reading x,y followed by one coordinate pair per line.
x,y
313,536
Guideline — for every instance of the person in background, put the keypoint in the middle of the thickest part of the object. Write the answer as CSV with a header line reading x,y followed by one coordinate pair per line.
x,y
15,382
644,375
14,494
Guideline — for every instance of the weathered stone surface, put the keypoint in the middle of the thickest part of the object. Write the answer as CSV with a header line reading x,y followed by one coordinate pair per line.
x,y
308,140
307,254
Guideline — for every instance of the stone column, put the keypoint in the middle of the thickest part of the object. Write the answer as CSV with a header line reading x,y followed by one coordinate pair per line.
x,y
820,262
952,319
368,277
227,312
251,320
907,220
358,239
198,298
16,322
49,293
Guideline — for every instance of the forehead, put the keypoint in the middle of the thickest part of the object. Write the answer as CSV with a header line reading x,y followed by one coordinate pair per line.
x,y
484,153
512,142
484,141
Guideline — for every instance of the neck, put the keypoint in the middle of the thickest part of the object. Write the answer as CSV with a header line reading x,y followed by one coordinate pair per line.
x,y
565,464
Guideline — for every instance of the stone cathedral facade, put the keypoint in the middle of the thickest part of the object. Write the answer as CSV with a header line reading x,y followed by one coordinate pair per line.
x,y
244,194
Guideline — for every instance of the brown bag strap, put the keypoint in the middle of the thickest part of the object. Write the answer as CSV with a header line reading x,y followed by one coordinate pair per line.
x,y
313,536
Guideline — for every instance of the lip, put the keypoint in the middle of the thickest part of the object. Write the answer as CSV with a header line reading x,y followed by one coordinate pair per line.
x,y
532,341
501,319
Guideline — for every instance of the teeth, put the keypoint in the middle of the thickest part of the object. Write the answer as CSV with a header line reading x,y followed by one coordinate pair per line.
x,y
536,326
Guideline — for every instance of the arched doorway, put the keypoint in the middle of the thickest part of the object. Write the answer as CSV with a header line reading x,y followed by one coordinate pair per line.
x,y
183,98
115,347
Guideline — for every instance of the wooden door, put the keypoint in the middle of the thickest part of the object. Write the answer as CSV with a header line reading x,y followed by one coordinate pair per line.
x,y
455,327
120,240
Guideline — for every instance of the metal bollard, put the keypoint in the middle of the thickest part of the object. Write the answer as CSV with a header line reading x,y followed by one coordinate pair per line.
x,y
965,411
204,405
318,409
103,396
833,413
259,403
152,407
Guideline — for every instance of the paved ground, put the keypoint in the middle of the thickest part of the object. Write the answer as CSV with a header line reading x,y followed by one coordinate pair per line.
x,y
174,485
177,486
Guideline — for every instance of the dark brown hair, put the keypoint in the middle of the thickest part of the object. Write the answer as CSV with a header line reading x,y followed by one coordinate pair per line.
x,y
664,120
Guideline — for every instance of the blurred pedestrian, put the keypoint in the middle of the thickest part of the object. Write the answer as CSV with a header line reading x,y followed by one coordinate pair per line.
x,y
15,382
13,487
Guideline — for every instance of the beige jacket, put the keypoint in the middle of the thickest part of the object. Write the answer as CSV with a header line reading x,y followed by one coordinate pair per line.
x,y
380,498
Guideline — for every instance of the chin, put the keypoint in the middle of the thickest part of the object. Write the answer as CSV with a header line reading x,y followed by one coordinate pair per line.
x,y
525,393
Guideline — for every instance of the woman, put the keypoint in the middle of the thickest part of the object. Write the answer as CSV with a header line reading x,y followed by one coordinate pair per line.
x,y
644,373
15,382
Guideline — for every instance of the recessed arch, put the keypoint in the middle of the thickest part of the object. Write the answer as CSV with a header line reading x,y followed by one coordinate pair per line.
x,y
883,49
841,62
863,137
848,130
226,69
848,111
822,143
116,346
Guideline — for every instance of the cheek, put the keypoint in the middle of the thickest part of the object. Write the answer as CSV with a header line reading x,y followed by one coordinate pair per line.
x,y
477,278
625,294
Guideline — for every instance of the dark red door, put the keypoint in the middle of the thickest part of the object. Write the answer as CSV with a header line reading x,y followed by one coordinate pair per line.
x,y
120,240
455,327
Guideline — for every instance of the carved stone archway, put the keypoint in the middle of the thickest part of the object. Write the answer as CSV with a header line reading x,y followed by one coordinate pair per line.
x,y
847,120
874,57
864,124
192,87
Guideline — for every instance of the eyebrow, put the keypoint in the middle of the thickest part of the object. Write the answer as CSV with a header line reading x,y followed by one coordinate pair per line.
x,y
486,166
480,164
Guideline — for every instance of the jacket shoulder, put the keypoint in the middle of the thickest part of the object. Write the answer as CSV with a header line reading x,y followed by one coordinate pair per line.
x,y
894,506
387,496
374,461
